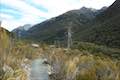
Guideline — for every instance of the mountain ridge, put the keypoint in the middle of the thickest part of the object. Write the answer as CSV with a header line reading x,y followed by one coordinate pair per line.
x,y
60,23
106,28
89,25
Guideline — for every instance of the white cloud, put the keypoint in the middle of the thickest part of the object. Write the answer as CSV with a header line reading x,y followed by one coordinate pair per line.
x,y
31,14
96,3
23,7
5,17
9,23
55,7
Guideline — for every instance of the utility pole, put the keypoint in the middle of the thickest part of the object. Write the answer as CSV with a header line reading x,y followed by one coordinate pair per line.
x,y
69,35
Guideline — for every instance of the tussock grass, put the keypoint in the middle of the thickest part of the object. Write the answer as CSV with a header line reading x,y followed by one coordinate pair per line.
x,y
82,66
74,64
12,56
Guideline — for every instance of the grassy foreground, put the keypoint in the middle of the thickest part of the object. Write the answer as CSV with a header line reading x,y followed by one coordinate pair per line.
x,y
74,64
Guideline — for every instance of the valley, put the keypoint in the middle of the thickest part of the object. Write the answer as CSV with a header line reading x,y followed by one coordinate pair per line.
x,y
81,44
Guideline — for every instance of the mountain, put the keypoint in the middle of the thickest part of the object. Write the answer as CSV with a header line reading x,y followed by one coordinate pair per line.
x,y
88,25
21,31
55,28
106,29
113,10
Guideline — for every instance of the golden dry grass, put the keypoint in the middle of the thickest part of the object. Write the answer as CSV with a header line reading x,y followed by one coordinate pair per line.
x,y
67,64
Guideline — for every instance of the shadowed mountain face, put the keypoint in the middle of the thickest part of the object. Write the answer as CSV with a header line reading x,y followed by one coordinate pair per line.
x,y
107,28
89,25
112,11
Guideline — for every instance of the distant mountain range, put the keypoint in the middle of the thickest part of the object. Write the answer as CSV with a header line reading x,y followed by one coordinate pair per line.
x,y
89,25
56,27
21,31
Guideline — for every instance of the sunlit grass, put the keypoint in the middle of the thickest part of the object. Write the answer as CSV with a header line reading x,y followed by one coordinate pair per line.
x,y
85,67
12,56
71,64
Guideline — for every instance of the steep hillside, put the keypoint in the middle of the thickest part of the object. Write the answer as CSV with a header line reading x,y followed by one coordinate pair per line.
x,y
55,28
112,11
107,28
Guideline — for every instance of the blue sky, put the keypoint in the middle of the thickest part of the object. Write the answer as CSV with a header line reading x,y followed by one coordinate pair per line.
x,y
15,13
